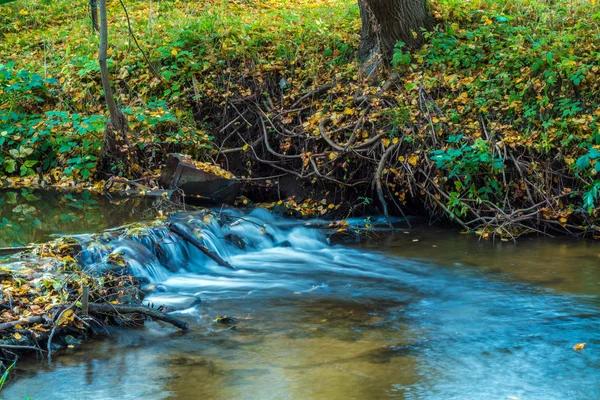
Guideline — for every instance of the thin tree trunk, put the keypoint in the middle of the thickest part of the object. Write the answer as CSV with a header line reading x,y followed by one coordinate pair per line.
x,y
114,112
387,22
94,15
116,155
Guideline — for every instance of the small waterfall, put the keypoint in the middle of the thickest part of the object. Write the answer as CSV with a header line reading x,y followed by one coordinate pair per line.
x,y
271,255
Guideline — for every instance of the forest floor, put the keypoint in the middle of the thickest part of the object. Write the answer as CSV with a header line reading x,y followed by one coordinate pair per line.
x,y
493,124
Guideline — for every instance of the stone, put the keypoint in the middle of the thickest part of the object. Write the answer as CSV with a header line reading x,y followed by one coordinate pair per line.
x,y
180,173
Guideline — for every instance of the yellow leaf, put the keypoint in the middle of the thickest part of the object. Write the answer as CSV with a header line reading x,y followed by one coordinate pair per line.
x,y
71,346
401,158
66,317
579,346
412,159
18,326
332,155
174,51
395,140
17,336
386,142
245,147
593,2
348,111
23,12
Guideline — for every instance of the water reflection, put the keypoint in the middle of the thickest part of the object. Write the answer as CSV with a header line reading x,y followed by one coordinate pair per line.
x,y
28,216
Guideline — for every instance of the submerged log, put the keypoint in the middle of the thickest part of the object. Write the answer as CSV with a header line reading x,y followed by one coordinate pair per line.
x,y
179,173
179,230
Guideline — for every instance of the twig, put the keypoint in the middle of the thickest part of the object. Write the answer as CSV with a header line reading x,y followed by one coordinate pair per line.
x,y
312,93
137,44
379,185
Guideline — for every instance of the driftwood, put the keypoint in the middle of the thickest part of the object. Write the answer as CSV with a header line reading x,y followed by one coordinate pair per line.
x,y
116,309
179,230
111,309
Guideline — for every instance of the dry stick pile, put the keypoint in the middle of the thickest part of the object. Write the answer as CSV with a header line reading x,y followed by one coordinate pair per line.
x,y
364,156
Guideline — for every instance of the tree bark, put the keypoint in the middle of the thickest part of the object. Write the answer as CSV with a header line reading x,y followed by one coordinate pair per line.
x,y
94,15
387,22
116,154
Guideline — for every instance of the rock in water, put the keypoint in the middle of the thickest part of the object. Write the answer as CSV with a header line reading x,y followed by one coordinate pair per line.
x,y
182,173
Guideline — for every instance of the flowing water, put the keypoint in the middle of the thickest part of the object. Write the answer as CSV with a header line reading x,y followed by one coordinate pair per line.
x,y
426,313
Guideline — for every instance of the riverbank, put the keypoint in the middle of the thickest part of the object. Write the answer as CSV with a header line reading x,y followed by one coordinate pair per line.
x,y
491,125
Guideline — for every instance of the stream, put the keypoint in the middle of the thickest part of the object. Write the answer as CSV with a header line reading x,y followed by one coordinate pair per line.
x,y
424,313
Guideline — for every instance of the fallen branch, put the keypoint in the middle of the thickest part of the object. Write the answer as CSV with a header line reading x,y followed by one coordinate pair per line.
x,y
23,322
19,347
179,230
117,309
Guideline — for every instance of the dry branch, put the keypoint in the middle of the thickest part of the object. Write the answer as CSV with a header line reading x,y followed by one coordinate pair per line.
x,y
179,230
120,309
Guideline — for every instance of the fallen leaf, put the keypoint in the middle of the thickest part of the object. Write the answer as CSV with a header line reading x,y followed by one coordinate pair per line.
x,y
66,317
579,346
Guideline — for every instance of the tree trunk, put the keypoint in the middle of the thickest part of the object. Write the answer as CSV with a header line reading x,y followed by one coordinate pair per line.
x,y
94,15
116,154
387,22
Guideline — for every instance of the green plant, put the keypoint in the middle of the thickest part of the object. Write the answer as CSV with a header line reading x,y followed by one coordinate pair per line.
x,y
4,376
400,57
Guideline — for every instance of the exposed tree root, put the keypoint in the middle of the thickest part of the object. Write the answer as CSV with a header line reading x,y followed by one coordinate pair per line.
x,y
347,155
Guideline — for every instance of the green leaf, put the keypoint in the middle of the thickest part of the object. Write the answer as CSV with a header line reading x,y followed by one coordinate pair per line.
x,y
583,162
594,153
10,166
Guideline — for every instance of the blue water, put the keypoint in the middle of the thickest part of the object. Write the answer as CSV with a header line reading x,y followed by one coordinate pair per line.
x,y
393,317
